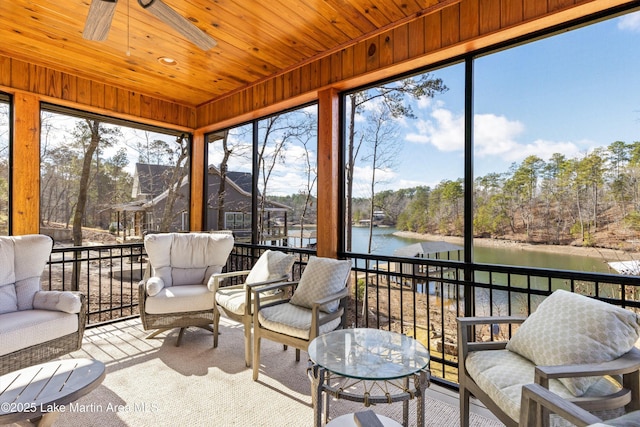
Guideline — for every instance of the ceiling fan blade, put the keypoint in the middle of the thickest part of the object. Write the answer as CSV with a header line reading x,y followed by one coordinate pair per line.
x,y
98,22
179,23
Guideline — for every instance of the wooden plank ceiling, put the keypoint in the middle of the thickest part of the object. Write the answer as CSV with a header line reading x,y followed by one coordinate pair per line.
x,y
256,39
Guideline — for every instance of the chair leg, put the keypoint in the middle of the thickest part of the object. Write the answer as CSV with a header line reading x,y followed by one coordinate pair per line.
x,y
256,356
297,354
464,406
247,344
216,328
180,336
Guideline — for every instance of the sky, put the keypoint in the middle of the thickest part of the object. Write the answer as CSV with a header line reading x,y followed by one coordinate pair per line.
x,y
565,94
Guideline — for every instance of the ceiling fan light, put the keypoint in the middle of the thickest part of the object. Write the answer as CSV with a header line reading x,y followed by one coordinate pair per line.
x,y
99,20
178,22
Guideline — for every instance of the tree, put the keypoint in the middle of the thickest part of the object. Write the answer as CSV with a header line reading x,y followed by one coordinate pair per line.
x,y
176,175
383,147
393,96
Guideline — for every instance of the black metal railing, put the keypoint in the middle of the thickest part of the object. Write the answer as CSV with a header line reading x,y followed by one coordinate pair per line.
x,y
420,297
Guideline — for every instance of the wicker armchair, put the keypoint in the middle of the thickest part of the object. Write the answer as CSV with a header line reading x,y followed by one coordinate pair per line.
x,y
35,325
174,291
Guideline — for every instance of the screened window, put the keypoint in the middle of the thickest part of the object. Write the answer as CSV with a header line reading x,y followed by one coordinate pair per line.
x,y
266,168
109,180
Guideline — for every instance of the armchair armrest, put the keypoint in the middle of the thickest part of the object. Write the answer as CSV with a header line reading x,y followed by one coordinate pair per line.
x,y
466,344
214,281
316,321
258,291
625,364
535,397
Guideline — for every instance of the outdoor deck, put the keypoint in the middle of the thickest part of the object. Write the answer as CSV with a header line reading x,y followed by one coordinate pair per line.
x,y
152,382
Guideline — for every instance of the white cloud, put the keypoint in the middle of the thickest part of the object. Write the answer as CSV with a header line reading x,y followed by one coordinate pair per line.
x,y
494,135
630,22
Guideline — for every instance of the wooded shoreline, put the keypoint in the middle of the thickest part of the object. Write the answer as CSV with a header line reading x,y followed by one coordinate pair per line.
x,y
605,254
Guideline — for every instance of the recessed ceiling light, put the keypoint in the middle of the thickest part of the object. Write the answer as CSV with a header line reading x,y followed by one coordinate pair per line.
x,y
167,61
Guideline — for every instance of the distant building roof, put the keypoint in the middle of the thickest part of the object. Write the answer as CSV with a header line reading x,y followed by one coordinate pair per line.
x,y
426,248
629,268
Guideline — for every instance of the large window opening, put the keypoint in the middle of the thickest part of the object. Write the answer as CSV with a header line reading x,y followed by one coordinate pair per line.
x,y
106,181
266,169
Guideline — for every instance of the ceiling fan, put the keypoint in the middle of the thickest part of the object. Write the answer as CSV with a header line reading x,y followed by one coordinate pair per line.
x,y
101,14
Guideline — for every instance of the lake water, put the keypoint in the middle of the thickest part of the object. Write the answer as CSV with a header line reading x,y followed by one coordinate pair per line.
x,y
385,243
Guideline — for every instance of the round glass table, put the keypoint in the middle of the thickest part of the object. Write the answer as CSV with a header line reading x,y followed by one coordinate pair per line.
x,y
369,366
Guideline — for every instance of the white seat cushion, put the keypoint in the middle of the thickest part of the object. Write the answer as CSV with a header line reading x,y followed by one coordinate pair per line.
x,y
22,329
232,298
502,373
178,299
292,320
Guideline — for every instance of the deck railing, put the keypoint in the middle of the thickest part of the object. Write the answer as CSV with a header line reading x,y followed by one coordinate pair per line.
x,y
414,296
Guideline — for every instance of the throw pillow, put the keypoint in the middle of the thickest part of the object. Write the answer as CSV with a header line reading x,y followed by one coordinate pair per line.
x,y
568,328
271,265
321,278
67,302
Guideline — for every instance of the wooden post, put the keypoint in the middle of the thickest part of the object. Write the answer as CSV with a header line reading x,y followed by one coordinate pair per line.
x,y
25,190
198,181
328,172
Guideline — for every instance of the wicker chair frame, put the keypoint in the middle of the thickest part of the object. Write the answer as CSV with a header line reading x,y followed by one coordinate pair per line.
x,y
47,350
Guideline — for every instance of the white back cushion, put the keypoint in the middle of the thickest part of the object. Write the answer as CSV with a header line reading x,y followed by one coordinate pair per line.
x,y
271,265
187,258
22,260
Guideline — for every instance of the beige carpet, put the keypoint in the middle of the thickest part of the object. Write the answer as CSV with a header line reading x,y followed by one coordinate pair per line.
x,y
154,383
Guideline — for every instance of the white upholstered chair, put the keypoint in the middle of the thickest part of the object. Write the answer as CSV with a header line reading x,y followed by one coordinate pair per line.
x,y
317,305
35,325
578,347
174,292
235,301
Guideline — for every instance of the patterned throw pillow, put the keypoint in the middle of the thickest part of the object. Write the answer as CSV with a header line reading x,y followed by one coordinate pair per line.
x,y
271,265
321,277
569,328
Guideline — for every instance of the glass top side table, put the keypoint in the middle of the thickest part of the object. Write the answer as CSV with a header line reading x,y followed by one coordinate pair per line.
x,y
388,367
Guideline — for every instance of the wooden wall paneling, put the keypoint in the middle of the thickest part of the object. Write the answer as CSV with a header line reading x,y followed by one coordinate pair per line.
x,y
373,53
360,57
25,191
555,5
533,8
37,79
84,91
433,32
111,98
400,43
416,38
512,12
134,103
278,89
296,80
450,29
5,70
489,16
19,75
123,101
325,71
97,94
469,20
54,83
385,49
286,85
336,67
346,62
69,89
306,75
